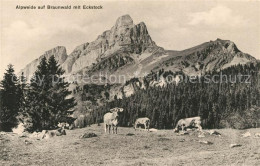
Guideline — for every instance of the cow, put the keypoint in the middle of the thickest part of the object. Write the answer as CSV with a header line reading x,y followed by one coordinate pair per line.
x,y
63,125
143,121
111,119
183,124
51,133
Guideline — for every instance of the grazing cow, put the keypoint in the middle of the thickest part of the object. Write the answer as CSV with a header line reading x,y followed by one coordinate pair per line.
x,y
111,119
143,121
188,123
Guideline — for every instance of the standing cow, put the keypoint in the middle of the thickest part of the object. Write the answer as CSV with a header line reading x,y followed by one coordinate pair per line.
x,y
111,119
188,123
143,121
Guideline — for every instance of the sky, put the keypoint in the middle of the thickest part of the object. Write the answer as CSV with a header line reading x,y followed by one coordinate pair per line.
x,y
173,25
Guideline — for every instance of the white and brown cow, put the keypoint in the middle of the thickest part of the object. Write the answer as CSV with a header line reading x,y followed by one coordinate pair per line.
x,y
111,119
183,124
143,121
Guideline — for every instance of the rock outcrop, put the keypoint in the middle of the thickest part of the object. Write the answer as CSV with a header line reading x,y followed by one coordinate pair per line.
x,y
213,55
124,36
129,49
59,53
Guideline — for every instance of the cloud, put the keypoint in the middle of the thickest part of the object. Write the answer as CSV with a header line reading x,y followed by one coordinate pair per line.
x,y
217,16
24,41
16,38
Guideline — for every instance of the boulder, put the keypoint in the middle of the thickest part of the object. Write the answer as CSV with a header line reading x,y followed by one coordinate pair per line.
x,y
37,135
27,142
2,133
19,129
201,135
88,135
205,142
182,140
214,132
183,133
130,134
234,145
153,130
257,135
247,134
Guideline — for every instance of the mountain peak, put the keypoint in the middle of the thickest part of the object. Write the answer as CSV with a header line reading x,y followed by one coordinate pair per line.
x,y
124,20
228,45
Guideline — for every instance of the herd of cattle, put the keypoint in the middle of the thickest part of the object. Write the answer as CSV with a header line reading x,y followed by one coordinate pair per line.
x,y
111,121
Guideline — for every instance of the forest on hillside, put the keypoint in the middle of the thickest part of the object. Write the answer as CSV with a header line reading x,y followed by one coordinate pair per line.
x,y
234,104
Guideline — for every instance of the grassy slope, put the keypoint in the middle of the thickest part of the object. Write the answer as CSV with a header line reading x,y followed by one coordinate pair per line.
x,y
143,148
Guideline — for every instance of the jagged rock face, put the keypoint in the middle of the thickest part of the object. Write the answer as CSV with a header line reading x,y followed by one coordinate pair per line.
x,y
213,55
140,38
67,65
59,53
130,48
113,62
123,35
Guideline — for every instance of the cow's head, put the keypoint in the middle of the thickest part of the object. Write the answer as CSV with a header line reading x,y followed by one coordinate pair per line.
x,y
176,130
116,109
115,112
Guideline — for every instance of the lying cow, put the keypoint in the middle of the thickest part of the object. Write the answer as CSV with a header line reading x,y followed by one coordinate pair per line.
x,y
183,124
111,119
143,121
51,133
63,125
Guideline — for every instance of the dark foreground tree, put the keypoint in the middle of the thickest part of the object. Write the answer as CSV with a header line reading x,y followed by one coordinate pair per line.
x,y
21,92
48,101
9,100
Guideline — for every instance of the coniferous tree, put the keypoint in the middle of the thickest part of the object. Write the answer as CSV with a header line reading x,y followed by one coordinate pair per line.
x,y
48,98
36,105
58,97
10,100
21,92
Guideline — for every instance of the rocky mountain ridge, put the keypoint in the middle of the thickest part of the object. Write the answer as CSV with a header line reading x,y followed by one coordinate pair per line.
x,y
59,52
128,49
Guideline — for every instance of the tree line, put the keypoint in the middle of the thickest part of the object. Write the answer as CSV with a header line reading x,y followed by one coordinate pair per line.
x,y
234,104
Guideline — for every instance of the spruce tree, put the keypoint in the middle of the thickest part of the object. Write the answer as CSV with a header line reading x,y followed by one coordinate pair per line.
x,y
36,105
48,97
59,97
21,92
10,101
